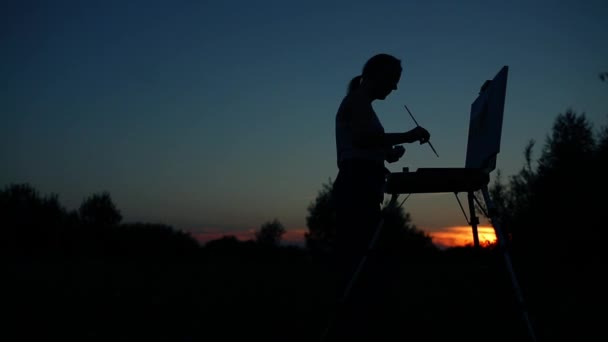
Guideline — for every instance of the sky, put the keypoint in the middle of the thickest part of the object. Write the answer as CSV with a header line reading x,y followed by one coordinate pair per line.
x,y
218,116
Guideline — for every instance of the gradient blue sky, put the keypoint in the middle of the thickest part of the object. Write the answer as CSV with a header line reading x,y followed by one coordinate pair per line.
x,y
219,115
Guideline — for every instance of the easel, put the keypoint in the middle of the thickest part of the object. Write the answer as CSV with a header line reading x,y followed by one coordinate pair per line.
x,y
475,177
471,187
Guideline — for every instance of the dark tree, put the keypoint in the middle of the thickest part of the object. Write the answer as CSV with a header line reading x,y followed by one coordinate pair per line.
x,y
570,146
556,218
270,233
31,223
544,205
99,210
321,221
148,240
513,200
399,236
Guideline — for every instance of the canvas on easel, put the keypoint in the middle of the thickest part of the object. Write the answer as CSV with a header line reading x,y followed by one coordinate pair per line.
x,y
485,123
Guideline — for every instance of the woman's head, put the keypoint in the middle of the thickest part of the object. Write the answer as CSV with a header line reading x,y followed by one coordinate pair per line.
x,y
382,72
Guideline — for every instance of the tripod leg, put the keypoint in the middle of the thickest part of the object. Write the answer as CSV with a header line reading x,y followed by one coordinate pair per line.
x,y
474,219
507,258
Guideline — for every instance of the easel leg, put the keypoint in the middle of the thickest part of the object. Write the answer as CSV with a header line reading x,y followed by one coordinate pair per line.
x,y
507,258
474,219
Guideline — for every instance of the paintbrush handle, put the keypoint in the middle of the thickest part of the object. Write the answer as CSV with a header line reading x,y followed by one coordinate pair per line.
x,y
412,115
416,122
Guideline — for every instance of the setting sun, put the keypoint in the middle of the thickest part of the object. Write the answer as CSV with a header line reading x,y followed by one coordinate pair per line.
x,y
462,236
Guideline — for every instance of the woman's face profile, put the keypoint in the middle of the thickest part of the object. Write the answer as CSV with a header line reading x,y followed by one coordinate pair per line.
x,y
386,83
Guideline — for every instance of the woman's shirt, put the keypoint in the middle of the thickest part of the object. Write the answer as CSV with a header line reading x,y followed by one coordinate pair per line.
x,y
356,118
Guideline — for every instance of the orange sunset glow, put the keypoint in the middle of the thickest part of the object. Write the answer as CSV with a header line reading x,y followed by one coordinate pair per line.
x,y
447,237
462,236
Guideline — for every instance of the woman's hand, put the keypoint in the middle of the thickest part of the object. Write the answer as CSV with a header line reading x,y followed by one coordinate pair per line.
x,y
420,134
395,153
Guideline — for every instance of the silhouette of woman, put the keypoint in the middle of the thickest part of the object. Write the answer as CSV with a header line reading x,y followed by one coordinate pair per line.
x,y
358,191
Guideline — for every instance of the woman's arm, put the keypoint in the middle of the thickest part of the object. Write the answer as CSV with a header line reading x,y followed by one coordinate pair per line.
x,y
362,116
413,135
364,138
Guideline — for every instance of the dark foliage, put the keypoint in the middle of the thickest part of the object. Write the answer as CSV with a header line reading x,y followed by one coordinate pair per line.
x,y
36,226
321,221
83,275
556,220
270,233
398,236
99,210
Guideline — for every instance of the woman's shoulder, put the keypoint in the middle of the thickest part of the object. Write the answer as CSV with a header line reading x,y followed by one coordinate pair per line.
x,y
355,101
355,104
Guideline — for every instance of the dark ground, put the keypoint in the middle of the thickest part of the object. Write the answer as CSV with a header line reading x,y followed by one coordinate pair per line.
x,y
280,296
